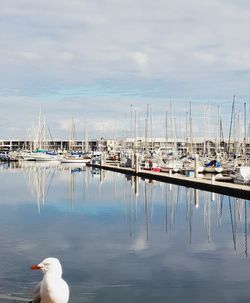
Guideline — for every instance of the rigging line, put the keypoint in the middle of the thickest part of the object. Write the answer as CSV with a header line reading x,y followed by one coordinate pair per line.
x,y
231,122
49,133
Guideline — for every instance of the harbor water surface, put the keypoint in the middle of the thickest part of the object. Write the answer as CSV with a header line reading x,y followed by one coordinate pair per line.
x,y
120,238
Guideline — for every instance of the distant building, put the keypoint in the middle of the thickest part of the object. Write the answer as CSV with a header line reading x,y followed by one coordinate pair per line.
x,y
207,147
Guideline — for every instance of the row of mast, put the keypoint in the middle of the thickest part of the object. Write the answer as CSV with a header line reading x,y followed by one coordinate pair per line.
x,y
38,133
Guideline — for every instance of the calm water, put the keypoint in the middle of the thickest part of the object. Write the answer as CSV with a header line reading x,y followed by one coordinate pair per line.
x,y
121,239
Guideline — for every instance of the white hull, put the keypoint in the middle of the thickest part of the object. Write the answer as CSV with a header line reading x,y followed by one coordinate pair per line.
x,y
173,165
213,169
27,158
45,157
220,177
78,161
245,173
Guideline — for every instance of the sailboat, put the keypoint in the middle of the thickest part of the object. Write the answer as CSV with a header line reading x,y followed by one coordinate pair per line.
x,y
73,156
44,155
40,151
244,170
213,167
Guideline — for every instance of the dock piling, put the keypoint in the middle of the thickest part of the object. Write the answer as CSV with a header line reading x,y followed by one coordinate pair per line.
x,y
196,166
136,163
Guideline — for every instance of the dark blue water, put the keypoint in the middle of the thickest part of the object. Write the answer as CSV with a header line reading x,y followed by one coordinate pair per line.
x,y
121,239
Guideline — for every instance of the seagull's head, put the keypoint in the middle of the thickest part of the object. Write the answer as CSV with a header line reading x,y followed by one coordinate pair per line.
x,y
49,265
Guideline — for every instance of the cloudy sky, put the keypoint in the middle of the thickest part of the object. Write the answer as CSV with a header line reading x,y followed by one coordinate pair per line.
x,y
92,59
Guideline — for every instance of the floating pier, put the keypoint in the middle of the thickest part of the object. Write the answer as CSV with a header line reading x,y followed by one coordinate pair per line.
x,y
229,189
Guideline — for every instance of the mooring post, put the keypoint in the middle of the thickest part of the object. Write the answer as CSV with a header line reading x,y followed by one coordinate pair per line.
x,y
196,165
136,163
133,160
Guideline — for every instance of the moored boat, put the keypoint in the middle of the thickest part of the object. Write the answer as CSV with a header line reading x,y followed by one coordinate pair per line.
x,y
213,167
223,178
245,173
44,155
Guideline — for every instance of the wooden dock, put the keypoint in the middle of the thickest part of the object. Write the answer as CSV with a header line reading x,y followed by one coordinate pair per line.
x,y
225,188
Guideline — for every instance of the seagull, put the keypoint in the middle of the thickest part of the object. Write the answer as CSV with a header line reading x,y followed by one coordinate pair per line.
x,y
52,288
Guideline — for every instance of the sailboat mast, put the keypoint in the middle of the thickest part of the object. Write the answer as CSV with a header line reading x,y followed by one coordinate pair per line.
x,y
218,135
186,133
231,122
166,129
135,142
204,126
151,129
190,127
146,130
44,133
130,131
245,135
171,121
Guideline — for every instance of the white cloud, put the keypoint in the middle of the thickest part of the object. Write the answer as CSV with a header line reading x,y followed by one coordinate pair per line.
x,y
206,57
141,60
66,56
146,50
29,55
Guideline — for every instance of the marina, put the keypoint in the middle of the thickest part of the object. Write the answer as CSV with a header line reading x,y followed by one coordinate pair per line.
x,y
227,175
134,220
120,237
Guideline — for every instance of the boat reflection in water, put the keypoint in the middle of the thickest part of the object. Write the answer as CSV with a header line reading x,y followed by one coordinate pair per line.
x,y
122,238
38,177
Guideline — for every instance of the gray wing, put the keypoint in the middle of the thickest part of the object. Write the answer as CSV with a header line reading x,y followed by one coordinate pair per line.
x,y
36,298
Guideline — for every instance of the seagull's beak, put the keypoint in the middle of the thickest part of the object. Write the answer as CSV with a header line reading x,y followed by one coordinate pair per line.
x,y
33,267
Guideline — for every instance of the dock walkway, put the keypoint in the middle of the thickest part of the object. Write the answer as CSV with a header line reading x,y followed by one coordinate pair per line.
x,y
230,189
